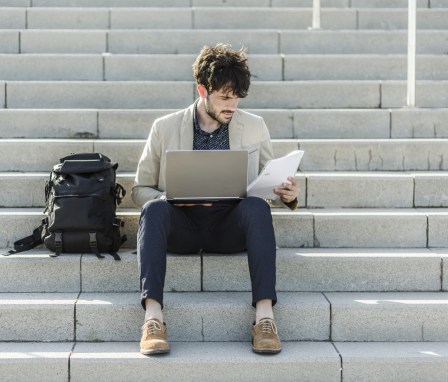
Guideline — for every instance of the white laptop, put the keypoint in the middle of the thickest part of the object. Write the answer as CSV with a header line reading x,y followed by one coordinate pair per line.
x,y
204,176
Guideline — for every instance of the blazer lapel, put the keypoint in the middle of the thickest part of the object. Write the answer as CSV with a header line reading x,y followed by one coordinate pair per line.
x,y
186,130
235,133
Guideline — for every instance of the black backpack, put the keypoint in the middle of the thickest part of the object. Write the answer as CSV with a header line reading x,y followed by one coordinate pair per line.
x,y
81,199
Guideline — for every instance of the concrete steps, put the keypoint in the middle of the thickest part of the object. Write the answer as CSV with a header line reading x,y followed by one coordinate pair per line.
x,y
360,271
321,154
282,123
172,94
326,228
317,189
298,269
218,361
195,316
191,41
203,18
221,3
170,67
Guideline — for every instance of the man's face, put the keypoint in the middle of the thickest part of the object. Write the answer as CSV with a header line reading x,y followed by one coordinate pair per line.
x,y
221,105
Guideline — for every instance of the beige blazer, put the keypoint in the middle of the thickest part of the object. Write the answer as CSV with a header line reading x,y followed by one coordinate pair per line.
x,y
175,132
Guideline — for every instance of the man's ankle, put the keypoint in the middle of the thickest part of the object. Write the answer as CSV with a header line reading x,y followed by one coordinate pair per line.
x,y
153,310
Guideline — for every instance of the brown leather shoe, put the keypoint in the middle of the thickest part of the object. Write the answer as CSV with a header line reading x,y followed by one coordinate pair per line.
x,y
154,338
265,338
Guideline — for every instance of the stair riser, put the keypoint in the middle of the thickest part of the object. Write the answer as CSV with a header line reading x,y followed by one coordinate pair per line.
x,y
303,229
297,270
354,317
316,191
191,41
303,124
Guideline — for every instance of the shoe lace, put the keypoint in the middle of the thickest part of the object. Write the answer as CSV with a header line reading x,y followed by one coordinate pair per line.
x,y
152,326
268,326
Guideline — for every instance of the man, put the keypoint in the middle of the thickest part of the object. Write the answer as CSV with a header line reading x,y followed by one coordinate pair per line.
x,y
212,122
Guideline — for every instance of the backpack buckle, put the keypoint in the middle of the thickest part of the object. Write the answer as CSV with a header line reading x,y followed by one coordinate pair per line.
x,y
94,245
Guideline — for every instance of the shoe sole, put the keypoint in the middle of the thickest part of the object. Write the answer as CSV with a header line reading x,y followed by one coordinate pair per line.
x,y
266,351
153,352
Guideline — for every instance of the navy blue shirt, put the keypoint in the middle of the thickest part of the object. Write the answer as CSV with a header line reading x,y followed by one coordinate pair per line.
x,y
217,140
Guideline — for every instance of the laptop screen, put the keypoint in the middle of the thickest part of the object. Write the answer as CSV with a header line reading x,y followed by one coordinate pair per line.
x,y
206,174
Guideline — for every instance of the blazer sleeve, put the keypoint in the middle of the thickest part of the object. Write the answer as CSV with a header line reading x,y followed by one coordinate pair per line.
x,y
147,178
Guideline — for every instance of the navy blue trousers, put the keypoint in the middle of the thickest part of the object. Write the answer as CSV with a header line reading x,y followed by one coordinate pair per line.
x,y
221,228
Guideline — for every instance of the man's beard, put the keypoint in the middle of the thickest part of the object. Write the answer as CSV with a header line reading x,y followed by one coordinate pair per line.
x,y
214,115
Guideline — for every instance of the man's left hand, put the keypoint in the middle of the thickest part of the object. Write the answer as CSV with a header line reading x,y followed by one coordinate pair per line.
x,y
288,191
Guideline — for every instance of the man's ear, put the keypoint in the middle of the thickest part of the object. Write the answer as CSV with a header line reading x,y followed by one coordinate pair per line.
x,y
202,91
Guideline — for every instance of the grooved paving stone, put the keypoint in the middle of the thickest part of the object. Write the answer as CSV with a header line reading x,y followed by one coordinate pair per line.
x,y
126,152
370,269
9,41
155,18
118,124
313,94
419,123
280,122
363,67
17,224
431,189
69,18
306,3
405,228
443,252
35,361
13,18
37,317
178,67
144,67
42,154
35,271
231,3
107,95
26,67
387,316
398,19
373,155
110,3
293,229
360,190
190,41
332,269
394,362
17,123
387,3
62,41
2,94
429,94
272,18
360,42
332,228
16,155
203,316
30,189
183,273
15,3
437,226
214,362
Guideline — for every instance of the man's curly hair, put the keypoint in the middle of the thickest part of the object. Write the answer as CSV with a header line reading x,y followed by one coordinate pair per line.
x,y
221,68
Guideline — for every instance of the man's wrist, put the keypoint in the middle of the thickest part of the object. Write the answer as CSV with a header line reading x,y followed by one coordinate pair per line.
x,y
292,204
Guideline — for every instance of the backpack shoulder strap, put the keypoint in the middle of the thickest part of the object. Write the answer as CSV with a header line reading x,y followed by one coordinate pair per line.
x,y
27,243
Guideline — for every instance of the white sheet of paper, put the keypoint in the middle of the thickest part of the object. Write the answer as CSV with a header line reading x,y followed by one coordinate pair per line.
x,y
274,174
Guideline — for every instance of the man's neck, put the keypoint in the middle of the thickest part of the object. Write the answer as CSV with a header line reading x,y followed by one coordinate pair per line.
x,y
206,123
